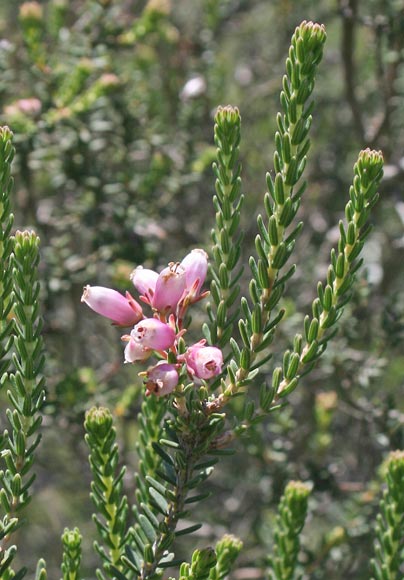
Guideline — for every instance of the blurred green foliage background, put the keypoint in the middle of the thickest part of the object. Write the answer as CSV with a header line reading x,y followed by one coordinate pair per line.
x,y
112,103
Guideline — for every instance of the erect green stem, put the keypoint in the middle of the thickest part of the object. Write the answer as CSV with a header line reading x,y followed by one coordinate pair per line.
x,y
289,524
27,383
273,245
226,236
107,486
368,172
171,519
389,528
71,540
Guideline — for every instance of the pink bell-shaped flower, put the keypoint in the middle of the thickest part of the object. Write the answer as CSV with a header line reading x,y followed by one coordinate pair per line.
x,y
153,334
144,280
170,287
203,362
122,310
196,268
134,351
161,379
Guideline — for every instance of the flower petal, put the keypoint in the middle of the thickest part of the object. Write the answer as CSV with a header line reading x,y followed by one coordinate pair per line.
x,y
203,362
144,280
196,268
112,305
170,287
154,334
161,379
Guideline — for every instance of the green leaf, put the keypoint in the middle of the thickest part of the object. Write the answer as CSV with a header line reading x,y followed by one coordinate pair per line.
x,y
147,528
188,530
163,454
159,500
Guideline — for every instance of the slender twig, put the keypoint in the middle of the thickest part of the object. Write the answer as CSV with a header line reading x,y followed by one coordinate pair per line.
x,y
349,10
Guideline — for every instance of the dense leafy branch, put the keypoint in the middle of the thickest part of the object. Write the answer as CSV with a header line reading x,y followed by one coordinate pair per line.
x,y
389,530
274,245
332,297
187,439
227,237
289,524
21,328
10,521
6,222
106,488
227,551
71,540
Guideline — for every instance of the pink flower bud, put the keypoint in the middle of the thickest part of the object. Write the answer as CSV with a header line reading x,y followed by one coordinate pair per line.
x,y
124,311
144,281
135,351
205,362
196,268
161,379
170,287
154,334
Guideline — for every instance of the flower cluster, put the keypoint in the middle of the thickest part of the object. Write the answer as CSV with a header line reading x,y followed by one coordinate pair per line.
x,y
168,294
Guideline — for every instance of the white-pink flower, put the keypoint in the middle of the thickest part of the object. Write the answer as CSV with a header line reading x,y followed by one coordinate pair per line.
x,y
196,267
144,280
203,362
161,379
153,334
169,288
122,310
134,351
176,287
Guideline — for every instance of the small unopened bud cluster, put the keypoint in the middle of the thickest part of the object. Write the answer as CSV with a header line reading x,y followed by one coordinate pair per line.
x,y
31,11
168,294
